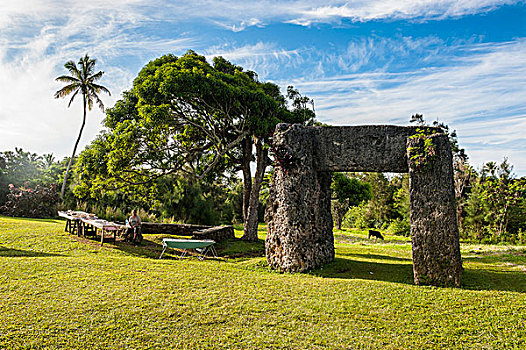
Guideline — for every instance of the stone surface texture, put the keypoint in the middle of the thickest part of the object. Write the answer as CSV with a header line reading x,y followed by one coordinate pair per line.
x,y
171,229
434,228
217,233
298,216
299,221
378,148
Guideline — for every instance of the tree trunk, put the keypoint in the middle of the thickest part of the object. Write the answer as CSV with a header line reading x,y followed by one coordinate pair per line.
x,y
251,222
74,150
247,175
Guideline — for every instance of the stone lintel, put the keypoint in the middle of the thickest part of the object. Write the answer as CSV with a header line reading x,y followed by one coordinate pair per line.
x,y
366,148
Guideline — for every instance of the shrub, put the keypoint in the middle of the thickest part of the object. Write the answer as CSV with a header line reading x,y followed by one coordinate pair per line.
x,y
358,217
521,236
38,202
400,227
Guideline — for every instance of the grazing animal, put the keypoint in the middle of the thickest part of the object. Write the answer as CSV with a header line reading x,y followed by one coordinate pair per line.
x,y
376,234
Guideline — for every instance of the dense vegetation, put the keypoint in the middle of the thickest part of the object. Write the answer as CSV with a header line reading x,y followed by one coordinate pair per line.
x,y
187,122
491,205
28,183
61,292
179,146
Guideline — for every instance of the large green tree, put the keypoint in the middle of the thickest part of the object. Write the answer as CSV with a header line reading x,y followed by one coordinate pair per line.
x,y
81,80
187,116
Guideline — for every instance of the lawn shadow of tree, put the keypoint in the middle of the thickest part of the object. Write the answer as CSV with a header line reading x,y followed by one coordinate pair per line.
x,y
508,281
50,220
148,248
472,279
18,253
374,256
238,249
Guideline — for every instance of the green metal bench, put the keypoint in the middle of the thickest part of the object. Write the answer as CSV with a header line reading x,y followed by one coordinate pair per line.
x,y
203,246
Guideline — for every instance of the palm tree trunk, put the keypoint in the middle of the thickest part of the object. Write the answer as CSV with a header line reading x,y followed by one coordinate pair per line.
x,y
74,150
251,223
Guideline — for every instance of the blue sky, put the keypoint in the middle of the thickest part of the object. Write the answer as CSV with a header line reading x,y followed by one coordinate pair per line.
x,y
363,61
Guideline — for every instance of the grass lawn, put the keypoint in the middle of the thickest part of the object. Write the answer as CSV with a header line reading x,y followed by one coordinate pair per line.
x,y
61,292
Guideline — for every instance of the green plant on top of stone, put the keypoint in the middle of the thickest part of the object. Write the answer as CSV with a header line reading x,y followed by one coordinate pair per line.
x,y
424,150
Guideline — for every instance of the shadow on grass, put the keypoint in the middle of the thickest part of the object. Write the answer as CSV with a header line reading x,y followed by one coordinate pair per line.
x,y
52,220
151,247
473,279
17,253
343,239
237,248
354,269
508,281
374,256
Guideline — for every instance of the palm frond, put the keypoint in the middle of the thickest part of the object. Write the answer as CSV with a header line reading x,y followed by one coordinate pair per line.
x,y
67,79
99,103
72,68
73,97
66,90
87,65
89,102
98,88
96,76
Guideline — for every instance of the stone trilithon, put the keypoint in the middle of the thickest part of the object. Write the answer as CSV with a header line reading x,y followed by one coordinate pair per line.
x,y
299,216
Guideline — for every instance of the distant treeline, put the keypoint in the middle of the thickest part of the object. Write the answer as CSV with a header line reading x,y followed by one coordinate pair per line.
x,y
28,187
180,145
491,201
491,204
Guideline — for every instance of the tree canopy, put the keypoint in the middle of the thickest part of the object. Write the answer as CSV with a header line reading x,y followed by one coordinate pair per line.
x,y
187,116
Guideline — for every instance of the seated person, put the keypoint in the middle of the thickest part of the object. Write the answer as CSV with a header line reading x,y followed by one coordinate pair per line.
x,y
134,222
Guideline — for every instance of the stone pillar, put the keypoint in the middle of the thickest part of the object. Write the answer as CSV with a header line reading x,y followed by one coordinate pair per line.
x,y
434,229
298,216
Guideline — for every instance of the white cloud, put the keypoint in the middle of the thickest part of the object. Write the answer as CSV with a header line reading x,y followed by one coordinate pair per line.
x,y
366,10
239,15
31,57
240,26
263,57
481,96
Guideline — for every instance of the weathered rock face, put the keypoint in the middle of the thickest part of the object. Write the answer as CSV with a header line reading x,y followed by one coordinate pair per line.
x,y
434,229
378,148
298,214
217,233
172,229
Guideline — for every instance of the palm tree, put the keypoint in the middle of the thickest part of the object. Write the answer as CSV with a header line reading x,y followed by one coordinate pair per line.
x,y
81,79
48,160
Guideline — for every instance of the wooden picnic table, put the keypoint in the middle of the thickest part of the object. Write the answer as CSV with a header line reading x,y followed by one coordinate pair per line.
x,y
73,223
104,226
87,224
